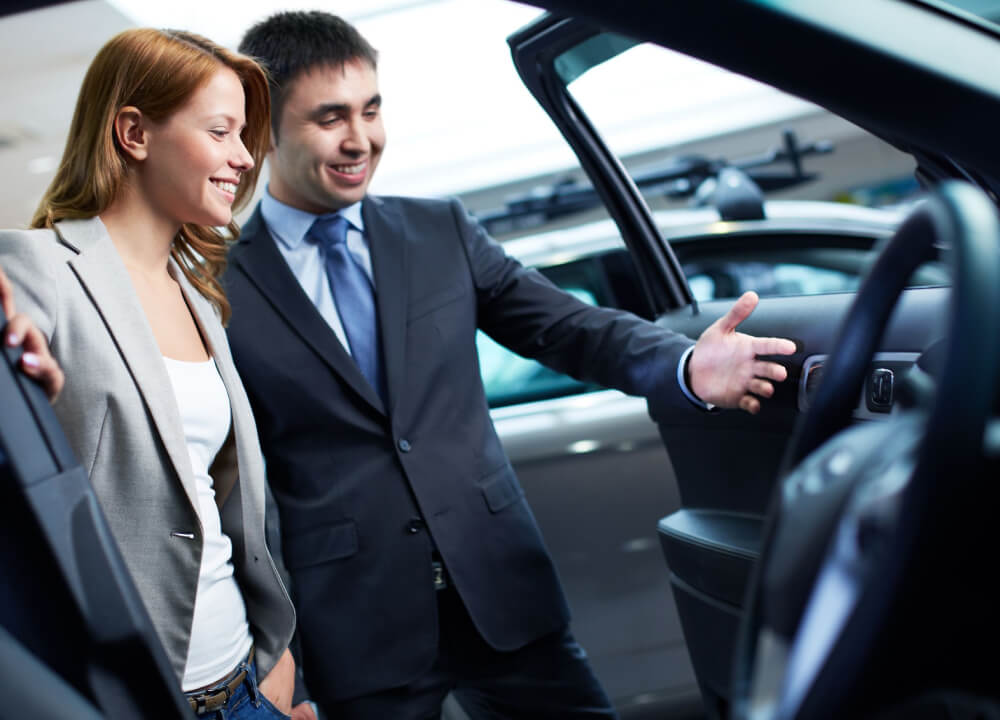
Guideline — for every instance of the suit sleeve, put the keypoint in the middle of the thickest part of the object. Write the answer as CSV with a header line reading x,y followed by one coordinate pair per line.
x,y
522,310
23,258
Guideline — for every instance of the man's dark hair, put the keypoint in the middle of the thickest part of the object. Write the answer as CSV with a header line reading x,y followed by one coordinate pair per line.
x,y
288,44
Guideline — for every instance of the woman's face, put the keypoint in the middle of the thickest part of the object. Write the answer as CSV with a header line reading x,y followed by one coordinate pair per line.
x,y
196,158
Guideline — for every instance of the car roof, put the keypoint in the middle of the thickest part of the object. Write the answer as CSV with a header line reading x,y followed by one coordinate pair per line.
x,y
688,225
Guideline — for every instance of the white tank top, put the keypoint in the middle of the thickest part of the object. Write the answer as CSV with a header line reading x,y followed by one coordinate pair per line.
x,y
220,636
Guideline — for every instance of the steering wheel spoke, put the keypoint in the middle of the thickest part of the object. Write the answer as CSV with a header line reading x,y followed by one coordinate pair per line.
x,y
917,389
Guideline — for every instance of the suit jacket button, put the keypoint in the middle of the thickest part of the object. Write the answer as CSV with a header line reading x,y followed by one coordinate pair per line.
x,y
414,526
404,445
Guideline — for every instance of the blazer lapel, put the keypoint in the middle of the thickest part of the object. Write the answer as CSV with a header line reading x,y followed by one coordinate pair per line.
x,y
264,265
388,243
103,274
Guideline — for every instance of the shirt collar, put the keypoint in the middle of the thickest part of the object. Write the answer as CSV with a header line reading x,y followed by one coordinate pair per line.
x,y
290,225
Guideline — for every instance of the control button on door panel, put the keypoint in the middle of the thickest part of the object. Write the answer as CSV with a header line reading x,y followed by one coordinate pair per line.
x,y
881,390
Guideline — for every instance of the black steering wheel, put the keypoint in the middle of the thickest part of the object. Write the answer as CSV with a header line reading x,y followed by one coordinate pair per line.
x,y
856,506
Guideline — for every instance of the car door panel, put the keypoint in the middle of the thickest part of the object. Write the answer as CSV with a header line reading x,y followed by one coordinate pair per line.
x,y
727,463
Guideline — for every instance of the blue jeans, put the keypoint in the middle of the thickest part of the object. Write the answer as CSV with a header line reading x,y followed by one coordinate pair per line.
x,y
247,703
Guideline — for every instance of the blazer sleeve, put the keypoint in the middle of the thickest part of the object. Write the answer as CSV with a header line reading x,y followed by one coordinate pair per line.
x,y
522,310
25,258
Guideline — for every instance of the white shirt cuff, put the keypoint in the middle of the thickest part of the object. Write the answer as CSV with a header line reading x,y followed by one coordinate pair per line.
x,y
684,386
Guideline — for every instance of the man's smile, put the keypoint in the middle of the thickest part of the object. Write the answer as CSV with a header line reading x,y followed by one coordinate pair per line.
x,y
352,173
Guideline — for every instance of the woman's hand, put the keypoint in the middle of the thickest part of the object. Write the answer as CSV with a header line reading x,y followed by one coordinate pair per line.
x,y
304,711
279,684
36,361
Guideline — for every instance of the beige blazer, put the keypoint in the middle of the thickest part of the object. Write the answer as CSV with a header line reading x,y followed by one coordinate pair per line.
x,y
120,415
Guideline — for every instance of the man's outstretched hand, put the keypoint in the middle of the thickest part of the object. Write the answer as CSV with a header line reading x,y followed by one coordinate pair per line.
x,y
723,368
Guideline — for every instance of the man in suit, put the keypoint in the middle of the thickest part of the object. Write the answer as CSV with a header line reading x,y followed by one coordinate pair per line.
x,y
416,565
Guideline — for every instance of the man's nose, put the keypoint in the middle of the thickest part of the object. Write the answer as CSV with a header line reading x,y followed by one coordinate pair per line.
x,y
356,140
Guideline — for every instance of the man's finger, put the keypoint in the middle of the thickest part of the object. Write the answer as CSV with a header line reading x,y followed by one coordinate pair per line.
x,y
739,311
769,370
761,387
6,296
773,346
750,404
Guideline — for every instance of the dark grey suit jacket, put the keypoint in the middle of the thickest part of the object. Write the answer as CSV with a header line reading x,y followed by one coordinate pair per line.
x,y
360,485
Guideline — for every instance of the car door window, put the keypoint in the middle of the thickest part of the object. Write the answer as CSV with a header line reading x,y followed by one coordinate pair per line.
x,y
822,220
650,104
788,152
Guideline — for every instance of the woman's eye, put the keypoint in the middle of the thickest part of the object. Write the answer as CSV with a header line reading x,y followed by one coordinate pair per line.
x,y
219,133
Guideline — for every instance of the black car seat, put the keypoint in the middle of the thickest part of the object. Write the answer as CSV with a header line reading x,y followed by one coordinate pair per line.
x,y
75,639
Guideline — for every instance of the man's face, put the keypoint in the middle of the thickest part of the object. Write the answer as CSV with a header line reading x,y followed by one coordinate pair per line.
x,y
330,138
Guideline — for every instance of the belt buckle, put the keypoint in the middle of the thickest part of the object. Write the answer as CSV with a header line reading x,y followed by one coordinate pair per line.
x,y
209,701
437,570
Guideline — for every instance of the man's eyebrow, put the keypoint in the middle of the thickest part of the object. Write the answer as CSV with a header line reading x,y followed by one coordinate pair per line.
x,y
329,108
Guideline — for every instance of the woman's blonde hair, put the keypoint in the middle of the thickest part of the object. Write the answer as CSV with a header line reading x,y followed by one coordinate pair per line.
x,y
155,71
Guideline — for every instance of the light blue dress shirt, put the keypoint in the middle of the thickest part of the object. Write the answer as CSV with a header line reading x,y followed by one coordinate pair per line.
x,y
289,226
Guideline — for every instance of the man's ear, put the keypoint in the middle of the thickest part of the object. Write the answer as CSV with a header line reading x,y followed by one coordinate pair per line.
x,y
132,133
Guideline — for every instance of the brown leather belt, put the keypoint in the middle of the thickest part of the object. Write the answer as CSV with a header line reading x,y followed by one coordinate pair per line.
x,y
218,694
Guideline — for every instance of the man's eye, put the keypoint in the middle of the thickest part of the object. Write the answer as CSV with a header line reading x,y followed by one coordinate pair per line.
x,y
371,114
326,122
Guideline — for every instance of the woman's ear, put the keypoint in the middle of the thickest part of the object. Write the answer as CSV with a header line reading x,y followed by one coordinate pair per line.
x,y
131,132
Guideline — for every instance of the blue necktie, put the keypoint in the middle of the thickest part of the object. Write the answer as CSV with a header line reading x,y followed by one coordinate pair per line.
x,y
354,295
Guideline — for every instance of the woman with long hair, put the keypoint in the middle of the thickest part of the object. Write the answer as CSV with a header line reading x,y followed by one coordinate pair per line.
x,y
120,277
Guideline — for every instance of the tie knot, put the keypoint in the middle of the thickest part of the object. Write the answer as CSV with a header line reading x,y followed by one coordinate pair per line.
x,y
329,229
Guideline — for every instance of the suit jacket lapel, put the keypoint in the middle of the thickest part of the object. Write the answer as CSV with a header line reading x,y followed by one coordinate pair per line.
x,y
103,274
388,244
264,265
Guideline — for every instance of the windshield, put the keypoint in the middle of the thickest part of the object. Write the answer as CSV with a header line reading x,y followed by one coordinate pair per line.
x,y
676,122
984,9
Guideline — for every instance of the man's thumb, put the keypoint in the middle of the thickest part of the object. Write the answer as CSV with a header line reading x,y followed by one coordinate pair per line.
x,y
739,312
